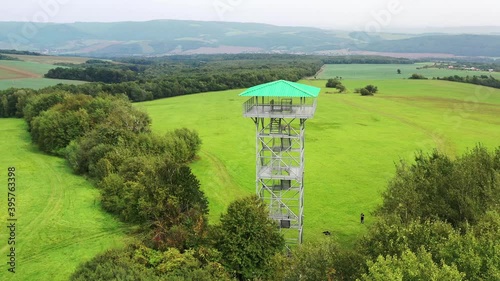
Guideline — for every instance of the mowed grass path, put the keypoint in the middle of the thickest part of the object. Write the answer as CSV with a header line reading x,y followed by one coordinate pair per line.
x,y
352,143
60,223
389,71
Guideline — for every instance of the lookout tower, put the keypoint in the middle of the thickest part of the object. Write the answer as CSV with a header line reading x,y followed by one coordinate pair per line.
x,y
280,110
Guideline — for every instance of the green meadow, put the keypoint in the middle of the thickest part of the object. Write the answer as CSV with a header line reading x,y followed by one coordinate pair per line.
x,y
59,221
389,71
34,83
352,143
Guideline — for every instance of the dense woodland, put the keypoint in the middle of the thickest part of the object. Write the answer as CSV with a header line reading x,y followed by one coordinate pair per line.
x,y
439,219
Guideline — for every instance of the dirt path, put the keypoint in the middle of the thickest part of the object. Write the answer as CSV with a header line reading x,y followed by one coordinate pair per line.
x,y
22,73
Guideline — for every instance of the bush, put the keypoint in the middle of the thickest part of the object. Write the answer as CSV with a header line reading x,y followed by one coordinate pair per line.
x,y
369,90
248,239
365,92
417,76
332,83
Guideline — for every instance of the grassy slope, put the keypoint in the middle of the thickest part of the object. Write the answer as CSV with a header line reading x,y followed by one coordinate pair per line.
x,y
34,83
59,222
351,144
389,71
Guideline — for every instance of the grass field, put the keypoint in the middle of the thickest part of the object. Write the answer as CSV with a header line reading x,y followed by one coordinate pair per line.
x,y
34,83
389,71
59,223
351,144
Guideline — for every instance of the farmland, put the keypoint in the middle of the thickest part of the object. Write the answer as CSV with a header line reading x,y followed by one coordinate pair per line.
x,y
59,221
351,144
28,74
389,71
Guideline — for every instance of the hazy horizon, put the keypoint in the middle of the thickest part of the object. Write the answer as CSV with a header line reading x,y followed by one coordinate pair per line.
x,y
371,16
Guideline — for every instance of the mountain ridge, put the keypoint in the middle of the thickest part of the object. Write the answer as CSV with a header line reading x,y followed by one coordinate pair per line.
x,y
164,37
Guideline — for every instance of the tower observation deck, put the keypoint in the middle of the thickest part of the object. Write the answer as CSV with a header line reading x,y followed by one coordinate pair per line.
x,y
279,110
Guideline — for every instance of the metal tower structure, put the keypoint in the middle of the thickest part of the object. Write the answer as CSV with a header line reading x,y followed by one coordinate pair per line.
x,y
279,110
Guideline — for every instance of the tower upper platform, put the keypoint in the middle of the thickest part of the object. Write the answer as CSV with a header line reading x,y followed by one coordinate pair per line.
x,y
281,99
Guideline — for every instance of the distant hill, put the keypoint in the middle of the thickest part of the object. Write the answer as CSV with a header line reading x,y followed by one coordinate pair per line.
x,y
163,37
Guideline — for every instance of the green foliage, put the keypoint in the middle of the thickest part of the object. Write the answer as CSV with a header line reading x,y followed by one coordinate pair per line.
x,y
332,83
92,74
335,83
410,266
389,237
113,265
319,260
365,92
371,89
436,187
247,239
13,101
477,252
138,262
484,80
341,88
417,76
72,116
53,130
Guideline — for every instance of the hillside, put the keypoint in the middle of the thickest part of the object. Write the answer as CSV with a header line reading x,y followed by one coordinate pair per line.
x,y
60,222
162,37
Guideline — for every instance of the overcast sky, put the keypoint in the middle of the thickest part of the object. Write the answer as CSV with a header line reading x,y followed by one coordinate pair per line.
x,y
376,15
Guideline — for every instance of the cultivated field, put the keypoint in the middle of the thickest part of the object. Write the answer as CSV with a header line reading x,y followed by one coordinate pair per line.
x,y
351,144
389,71
59,221
27,74
50,59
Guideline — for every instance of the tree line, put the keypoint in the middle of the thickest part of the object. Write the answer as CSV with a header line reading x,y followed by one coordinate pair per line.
x,y
483,80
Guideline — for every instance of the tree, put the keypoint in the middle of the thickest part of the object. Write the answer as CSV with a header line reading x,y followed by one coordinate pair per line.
x,y
371,89
399,71
341,88
332,83
365,92
247,239
436,187
417,76
410,266
323,259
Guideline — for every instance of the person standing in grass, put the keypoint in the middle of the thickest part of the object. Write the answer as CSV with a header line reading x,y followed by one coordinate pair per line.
x,y
362,218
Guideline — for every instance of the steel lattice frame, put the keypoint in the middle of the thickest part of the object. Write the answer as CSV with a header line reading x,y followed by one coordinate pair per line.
x,y
280,172
280,110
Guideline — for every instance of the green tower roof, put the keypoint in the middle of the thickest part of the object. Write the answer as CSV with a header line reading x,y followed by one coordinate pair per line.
x,y
282,88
